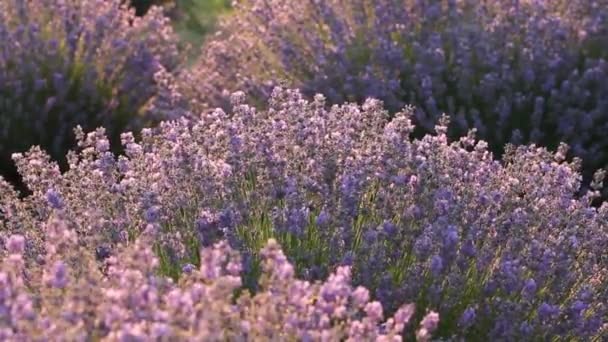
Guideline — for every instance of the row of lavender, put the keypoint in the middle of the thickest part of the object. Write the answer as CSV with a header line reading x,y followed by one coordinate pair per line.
x,y
439,235
500,251
520,71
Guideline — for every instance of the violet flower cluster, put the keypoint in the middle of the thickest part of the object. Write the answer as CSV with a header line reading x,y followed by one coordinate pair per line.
x,y
67,63
500,250
67,297
518,71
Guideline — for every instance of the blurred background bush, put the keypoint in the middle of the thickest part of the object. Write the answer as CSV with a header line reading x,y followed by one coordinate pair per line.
x,y
94,63
517,71
68,63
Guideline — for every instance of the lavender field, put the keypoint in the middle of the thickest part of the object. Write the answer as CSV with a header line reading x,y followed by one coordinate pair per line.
x,y
336,170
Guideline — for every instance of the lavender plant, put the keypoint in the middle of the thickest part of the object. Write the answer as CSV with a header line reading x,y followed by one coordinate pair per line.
x,y
66,300
67,63
518,71
499,250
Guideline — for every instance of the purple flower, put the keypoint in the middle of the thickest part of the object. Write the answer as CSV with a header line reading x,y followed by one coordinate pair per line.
x,y
389,228
436,265
404,314
374,311
467,318
422,246
15,244
547,311
207,227
102,145
188,268
58,276
450,239
54,199
152,214
322,219
529,290
360,296
427,326
468,248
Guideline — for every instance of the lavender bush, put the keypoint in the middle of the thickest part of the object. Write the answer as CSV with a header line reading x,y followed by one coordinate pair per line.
x,y
518,71
67,63
500,250
70,299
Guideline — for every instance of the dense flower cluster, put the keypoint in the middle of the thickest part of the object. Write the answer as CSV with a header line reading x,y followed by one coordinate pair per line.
x,y
516,70
64,63
499,250
69,298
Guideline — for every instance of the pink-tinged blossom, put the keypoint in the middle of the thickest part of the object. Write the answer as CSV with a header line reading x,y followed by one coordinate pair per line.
x,y
132,302
427,326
